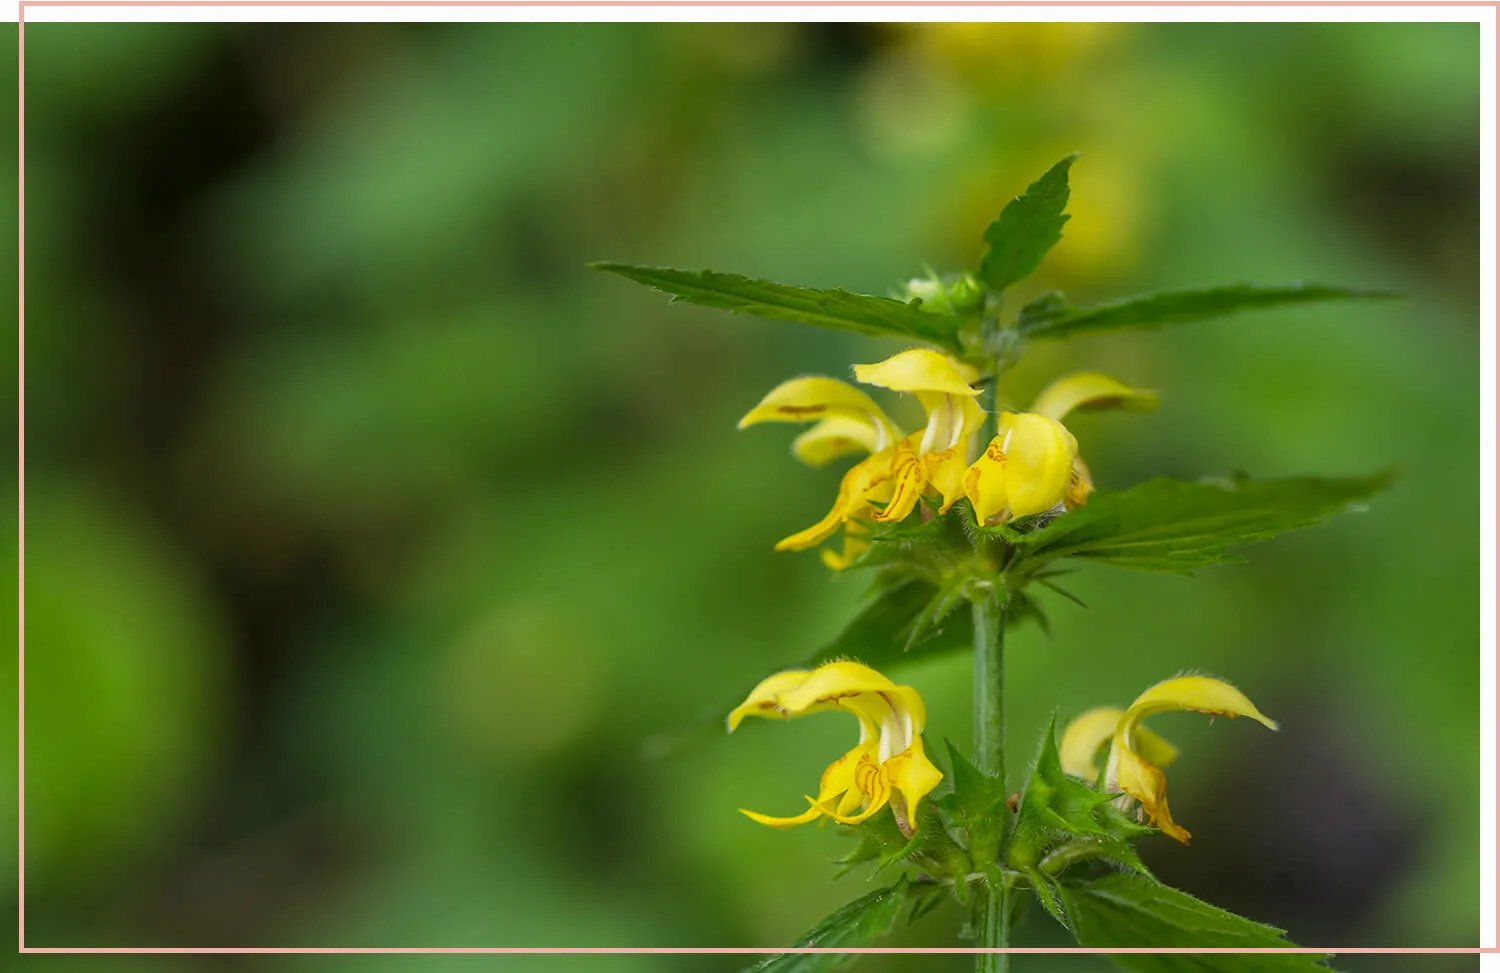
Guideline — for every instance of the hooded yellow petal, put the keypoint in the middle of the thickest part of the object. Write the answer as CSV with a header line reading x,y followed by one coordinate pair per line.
x,y
919,370
816,397
1091,390
836,437
1199,694
764,698
1039,454
912,777
833,681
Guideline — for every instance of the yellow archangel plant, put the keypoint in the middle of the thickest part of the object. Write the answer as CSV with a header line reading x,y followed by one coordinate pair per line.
x,y
888,766
1137,756
1030,511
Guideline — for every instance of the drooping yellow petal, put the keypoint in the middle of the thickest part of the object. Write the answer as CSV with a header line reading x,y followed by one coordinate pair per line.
x,y
811,814
839,781
945,472
1087,732
919,370
909,474
835,437
874,787
861,484
816,397
1148,785
1039,454
1091,390
1130,768
912,777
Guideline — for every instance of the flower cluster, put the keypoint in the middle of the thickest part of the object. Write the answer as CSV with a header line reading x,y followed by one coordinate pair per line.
x,y
1030,467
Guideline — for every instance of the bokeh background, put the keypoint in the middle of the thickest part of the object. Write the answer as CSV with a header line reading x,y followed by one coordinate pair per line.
x,y
370,535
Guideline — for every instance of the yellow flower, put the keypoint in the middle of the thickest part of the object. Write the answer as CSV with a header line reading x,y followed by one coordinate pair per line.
x,y
887,766
1137,755
1032,465
848,421
937,455
898,468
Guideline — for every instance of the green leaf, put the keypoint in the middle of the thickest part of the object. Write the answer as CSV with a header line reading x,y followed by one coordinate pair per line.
x,y
880,317
1175,527
1029,226
1050,317
1126,910
866,918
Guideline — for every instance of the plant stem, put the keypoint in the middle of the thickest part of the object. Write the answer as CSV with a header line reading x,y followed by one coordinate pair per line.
x,y
989,756
989,696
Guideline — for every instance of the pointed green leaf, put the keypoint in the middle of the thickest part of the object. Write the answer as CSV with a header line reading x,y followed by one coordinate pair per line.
x,y
1131,910
1029,226
1049,316
879,317
1176,527
866,918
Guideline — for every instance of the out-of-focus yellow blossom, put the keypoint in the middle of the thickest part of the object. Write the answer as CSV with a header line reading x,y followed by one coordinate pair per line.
x,y
899,468
1137,756
1032,465
888,765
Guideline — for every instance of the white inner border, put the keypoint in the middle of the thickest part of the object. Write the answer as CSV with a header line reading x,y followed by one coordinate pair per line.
x,y
1485,16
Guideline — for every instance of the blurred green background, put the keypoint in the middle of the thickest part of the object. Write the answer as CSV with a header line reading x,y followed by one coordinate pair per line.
x,y
370,534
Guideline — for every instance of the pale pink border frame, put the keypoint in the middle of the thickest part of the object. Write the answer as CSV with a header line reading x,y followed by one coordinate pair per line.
x,y
586,950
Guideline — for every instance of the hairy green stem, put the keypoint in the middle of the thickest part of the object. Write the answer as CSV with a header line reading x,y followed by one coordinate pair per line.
x,y
989,693
989,756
